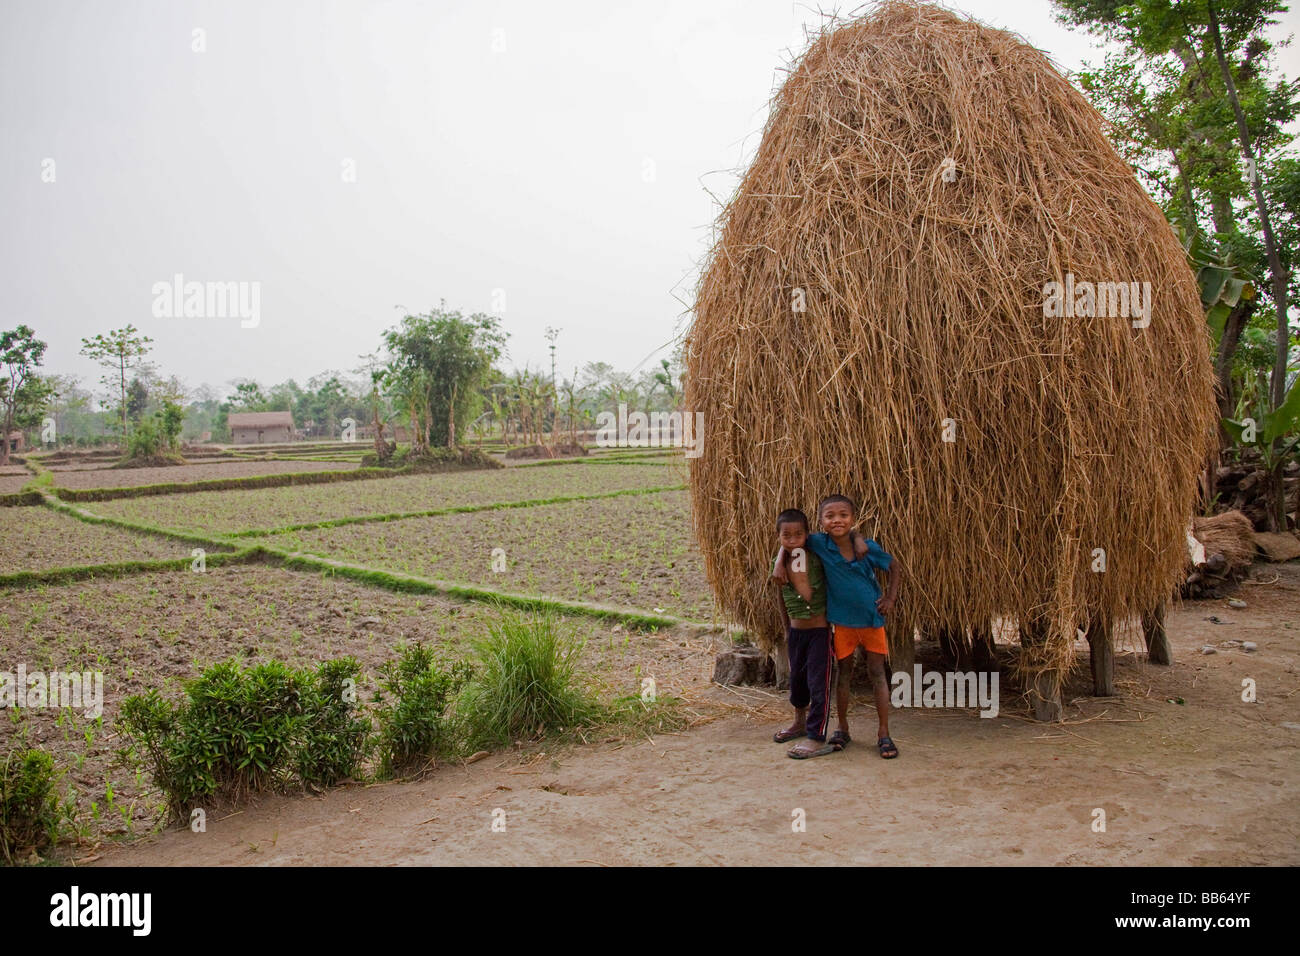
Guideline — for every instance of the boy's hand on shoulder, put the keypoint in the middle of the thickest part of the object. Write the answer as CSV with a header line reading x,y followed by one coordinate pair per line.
x,y
778,569
859,545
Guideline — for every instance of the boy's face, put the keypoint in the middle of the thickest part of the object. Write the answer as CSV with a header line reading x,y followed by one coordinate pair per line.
x,y
837,519
792,535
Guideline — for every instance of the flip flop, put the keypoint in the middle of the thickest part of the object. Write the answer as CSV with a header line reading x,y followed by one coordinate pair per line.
x,y
805,754
887,748
781,736
840,739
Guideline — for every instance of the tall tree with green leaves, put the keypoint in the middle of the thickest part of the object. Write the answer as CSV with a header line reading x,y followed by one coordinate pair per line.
x,y
20,352
438,361
121,352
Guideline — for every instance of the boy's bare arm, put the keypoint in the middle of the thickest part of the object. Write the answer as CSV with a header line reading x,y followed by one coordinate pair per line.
x,y
886,603
778,569
859,545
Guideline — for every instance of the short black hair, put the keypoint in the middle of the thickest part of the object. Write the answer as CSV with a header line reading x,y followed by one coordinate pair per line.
x,y
791,516
836,500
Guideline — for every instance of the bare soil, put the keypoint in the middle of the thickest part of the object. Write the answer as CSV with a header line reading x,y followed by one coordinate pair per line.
x,y
1185,771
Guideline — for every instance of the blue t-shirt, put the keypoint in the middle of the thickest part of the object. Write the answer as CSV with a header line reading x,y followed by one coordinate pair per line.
x,y
852,588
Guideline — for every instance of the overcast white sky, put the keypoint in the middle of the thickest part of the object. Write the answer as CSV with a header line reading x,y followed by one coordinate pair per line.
x,y
558,152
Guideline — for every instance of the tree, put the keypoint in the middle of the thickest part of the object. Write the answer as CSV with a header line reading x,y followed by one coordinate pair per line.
x,y
437,362
137,400
170,420
248,397
120,352
20,352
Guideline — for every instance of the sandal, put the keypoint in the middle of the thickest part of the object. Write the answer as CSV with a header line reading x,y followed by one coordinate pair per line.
x,y
781,736
840,739
887,748
805,754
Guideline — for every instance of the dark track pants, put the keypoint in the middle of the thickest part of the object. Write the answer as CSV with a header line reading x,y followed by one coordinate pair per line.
x,y
810,676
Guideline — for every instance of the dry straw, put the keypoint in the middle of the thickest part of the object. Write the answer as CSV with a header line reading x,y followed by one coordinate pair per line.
x,y
920,180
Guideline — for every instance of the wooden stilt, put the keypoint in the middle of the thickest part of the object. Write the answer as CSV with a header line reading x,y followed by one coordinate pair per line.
x,y
949,648
902,650
1157,639
982,656
1045,687
1102,656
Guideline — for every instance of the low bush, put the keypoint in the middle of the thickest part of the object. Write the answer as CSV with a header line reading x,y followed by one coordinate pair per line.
x,y
416,694
29,812
240,731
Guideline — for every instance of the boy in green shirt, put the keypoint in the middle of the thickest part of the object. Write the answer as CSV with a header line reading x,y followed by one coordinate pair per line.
x,y
807,638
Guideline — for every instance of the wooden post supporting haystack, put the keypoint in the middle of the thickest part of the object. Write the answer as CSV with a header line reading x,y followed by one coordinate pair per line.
x,y
1102,657
1157,639
1045,685
902,649
982,655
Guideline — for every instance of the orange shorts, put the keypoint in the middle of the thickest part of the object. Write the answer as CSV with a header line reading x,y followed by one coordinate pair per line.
x,y
847,638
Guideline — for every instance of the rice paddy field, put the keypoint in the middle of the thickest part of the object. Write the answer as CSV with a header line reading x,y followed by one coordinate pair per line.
x,y
364,567
38,539
201,471
234,513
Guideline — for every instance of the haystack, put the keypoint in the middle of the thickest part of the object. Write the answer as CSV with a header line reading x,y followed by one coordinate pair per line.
x,y
1228,540
875,319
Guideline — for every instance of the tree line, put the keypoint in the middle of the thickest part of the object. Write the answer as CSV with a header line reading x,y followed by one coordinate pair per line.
x,y
436,375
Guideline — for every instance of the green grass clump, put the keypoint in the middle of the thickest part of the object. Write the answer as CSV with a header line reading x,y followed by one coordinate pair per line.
x,y
29,812
526,684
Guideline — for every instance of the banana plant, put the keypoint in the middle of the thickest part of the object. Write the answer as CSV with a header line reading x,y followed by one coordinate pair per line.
x,y
1274,434
1223,283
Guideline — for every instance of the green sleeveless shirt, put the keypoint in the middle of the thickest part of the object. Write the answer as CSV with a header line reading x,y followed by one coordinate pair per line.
x,y
795,605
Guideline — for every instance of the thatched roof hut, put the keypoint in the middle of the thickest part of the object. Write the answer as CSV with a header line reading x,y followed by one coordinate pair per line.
x,y
878,318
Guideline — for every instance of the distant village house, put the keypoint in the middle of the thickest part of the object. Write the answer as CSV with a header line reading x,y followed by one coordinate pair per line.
x,y
16,442
255,428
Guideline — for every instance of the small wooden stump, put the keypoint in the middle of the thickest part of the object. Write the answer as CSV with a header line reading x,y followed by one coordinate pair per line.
x,y
744,665
1157,639
1102,656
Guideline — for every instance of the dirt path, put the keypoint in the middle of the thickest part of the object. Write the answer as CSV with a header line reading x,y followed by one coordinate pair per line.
x,y
1210,781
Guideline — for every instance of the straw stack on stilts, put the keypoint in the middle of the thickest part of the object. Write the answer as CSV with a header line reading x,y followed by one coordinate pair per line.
x,y
876,319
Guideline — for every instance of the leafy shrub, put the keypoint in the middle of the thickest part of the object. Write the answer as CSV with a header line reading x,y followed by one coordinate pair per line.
x,y
414,724
29,813
170,420
238,731
334,737
144,441
527,683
